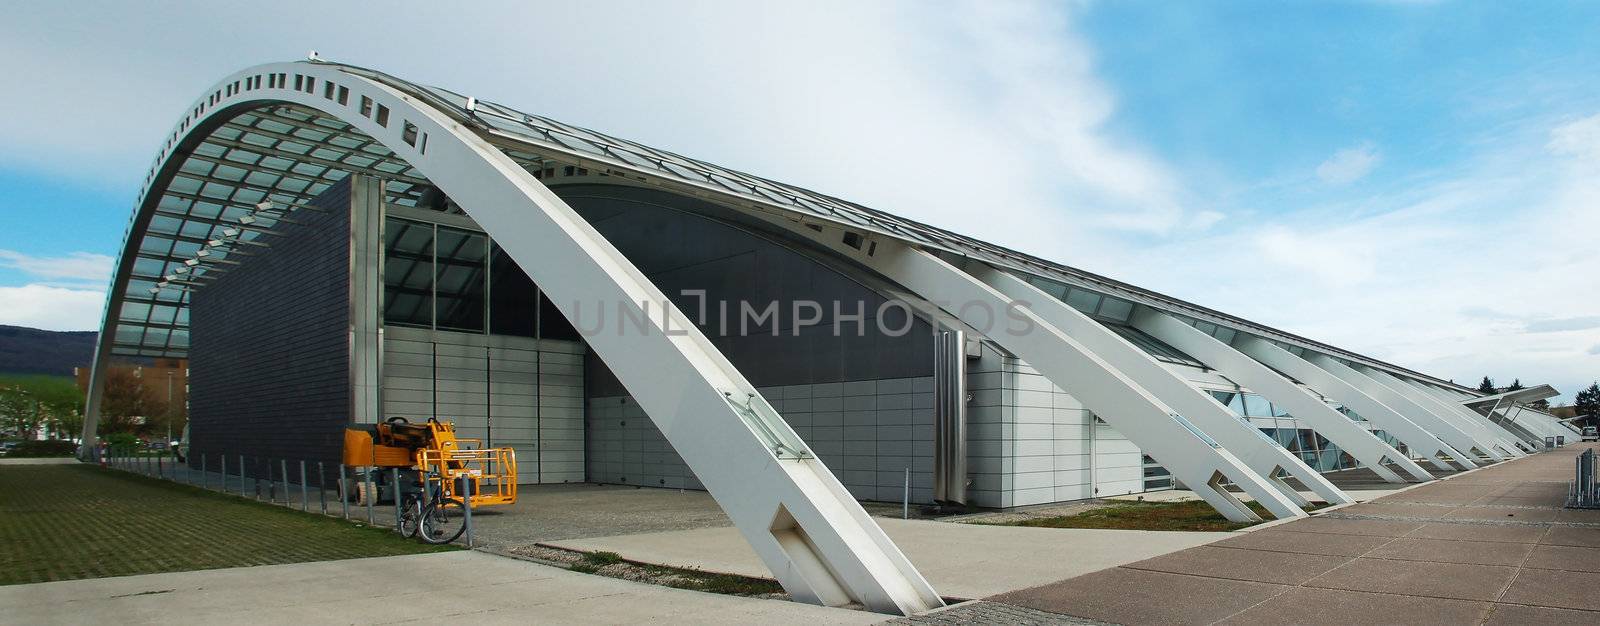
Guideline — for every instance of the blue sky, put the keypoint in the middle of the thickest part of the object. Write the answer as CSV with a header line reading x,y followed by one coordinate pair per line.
x,y
1412,180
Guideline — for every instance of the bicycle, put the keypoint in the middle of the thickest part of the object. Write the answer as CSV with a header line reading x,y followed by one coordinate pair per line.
x,y
432,515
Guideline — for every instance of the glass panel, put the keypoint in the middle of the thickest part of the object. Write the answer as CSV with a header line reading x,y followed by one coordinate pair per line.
x,y
1257,406
1231,400
460,281
513,299
554,325
408,273
1085,301
1116,309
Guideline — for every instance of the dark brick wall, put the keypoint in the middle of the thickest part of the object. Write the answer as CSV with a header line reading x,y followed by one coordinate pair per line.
x,y
270,358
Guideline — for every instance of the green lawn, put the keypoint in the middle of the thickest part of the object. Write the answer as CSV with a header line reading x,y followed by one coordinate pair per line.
x,y
1190,516
62,522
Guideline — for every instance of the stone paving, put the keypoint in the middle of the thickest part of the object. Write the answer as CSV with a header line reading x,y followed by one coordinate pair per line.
x,y
1493,546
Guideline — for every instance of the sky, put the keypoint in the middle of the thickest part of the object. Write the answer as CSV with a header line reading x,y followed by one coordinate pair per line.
x,y
1415,181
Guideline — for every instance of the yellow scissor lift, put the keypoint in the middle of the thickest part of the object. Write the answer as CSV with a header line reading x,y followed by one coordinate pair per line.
x,y
432,463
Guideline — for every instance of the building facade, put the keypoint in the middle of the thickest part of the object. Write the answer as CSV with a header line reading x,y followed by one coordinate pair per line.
x,y
330,245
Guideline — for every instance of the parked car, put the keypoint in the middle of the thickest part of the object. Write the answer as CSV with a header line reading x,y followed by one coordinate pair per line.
x,y
1590,433
5,447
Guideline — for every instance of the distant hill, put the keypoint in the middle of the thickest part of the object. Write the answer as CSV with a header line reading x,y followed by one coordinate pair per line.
x,y
34,351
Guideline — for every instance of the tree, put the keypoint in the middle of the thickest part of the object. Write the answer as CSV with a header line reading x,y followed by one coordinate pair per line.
x,y
1588,403
1516,385
1487,386
30,405
128,405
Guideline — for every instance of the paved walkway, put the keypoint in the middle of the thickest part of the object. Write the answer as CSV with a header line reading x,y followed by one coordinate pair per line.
x,y
452,587
960,560
1492,546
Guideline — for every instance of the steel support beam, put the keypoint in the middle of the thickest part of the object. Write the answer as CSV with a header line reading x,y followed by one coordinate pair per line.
x,y
799,519
1414,436
1301,404
1188,452
1517,433
1498,441
1445,430
1259,452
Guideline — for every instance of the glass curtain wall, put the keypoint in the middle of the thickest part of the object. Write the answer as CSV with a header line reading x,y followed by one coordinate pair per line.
x,y
1312,448
450,279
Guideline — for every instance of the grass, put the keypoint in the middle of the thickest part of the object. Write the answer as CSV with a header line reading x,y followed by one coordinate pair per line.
x,y
65,522
1195,516
611,564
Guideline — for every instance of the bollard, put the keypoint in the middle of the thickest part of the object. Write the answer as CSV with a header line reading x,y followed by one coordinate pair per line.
x,y
466,506
283,464
394,494
305,504
369,495
224,458
205,481
905,498
241,475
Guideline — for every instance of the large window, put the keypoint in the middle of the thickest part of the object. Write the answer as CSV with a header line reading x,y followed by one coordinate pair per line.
x,y
513,300
408,273
459,280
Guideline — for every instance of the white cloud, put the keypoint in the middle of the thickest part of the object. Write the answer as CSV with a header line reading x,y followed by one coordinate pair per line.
x,y
77,266
52,308
1349,165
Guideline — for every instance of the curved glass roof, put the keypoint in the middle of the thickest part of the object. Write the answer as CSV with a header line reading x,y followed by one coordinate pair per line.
x,y
286,154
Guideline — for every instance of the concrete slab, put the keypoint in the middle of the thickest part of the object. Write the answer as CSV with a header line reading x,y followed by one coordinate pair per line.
x,y
447,587
1435,580
1126,596
1555,588
960,560
1493,545
1275,540
1333,607
1243,564
1463,552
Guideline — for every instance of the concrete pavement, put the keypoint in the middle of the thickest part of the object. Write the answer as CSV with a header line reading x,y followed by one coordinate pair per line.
x,y
1492,546
450,587
960,560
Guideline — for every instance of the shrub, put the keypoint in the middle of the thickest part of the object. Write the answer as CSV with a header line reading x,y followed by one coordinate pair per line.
x,y
39,449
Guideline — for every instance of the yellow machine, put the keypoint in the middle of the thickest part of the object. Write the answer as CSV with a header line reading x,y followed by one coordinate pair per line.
x,y
431,455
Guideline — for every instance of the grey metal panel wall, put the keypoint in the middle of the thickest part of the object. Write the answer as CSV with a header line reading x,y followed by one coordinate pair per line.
x,y
868,432
517,392
269,366
1029,442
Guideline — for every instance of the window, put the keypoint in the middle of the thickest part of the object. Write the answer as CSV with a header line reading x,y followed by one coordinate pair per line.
x,y
513,299
408,273
1230,399
553,323
459,270
1257,406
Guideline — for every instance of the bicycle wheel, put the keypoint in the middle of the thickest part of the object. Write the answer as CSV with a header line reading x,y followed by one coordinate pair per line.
x,y
411,516
443,521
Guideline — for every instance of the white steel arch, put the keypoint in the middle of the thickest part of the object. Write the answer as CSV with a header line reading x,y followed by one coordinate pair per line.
x,y
800,520
1358,442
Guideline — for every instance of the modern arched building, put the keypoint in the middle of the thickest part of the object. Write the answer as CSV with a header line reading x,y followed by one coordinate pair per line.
x,y
331,245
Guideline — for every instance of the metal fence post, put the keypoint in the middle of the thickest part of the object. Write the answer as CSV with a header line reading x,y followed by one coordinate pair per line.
x,y
394,494
305,504
241,475
905,498
369,496
283,464
344,497
161,471
322,487
466,506
205,481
